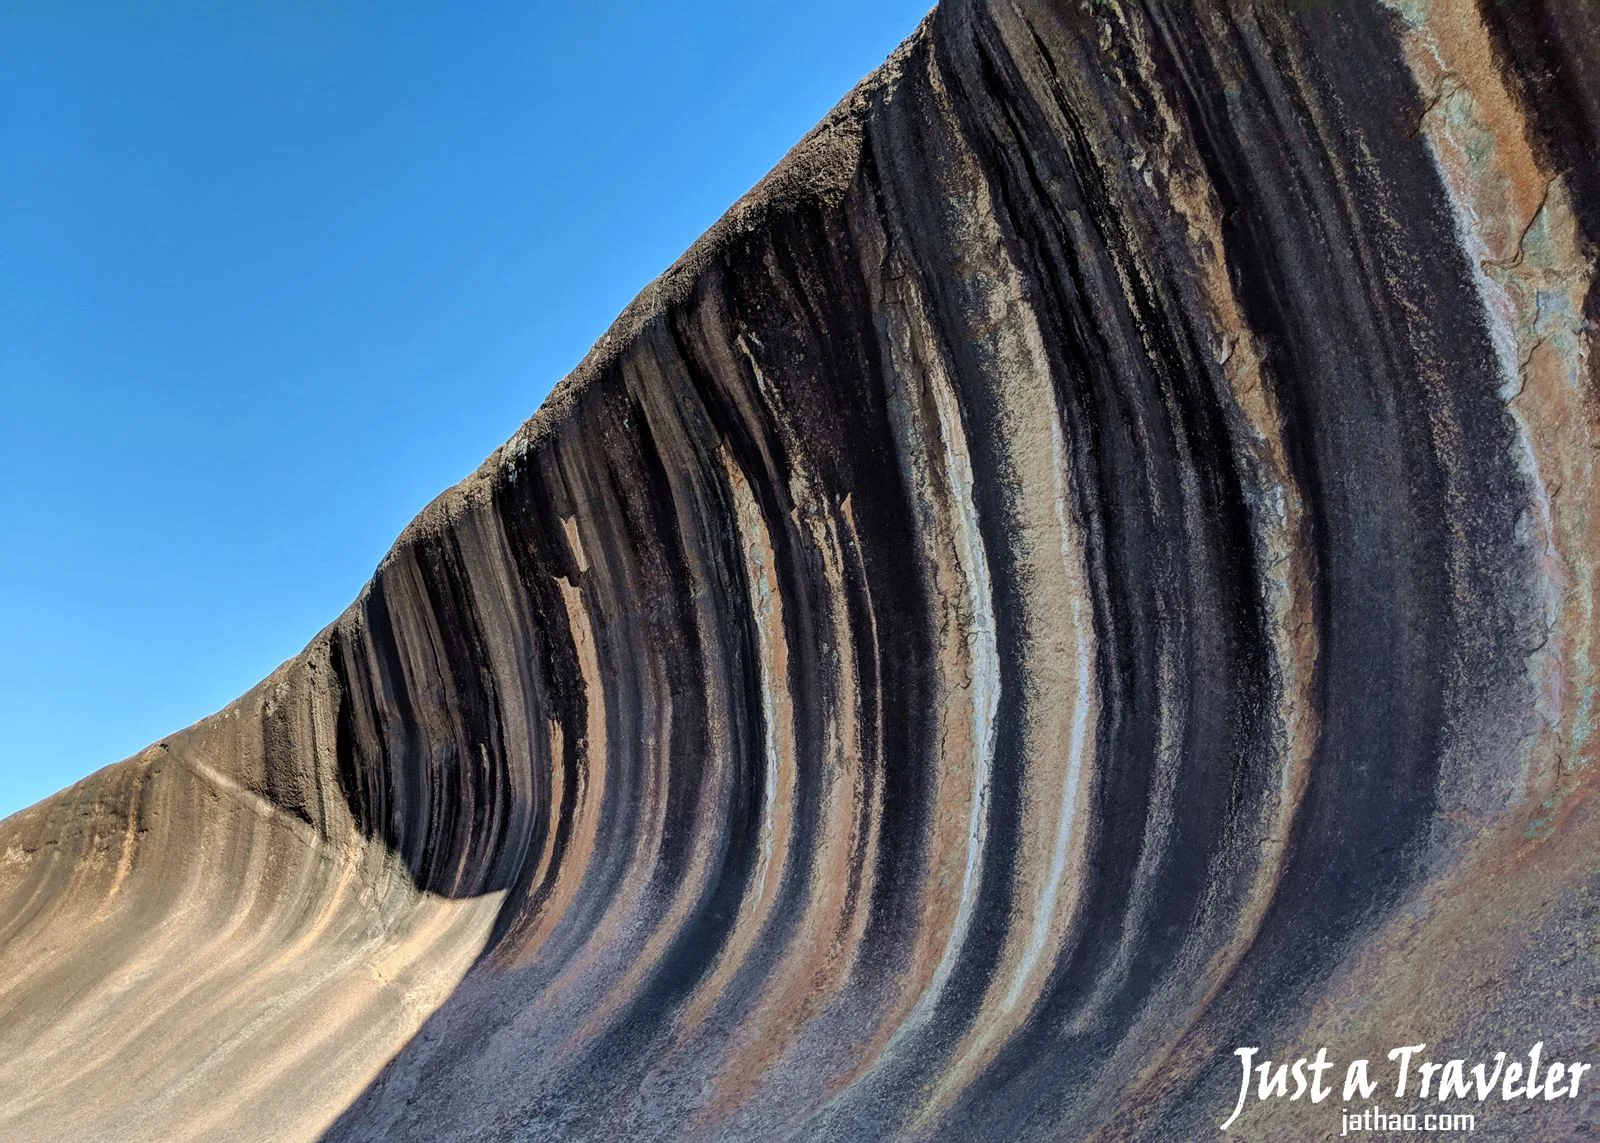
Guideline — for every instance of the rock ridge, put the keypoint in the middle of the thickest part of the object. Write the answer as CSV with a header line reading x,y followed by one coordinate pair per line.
x,y
1089,565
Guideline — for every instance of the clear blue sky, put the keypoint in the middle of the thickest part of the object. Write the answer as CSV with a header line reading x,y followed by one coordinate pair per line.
x,y
273,274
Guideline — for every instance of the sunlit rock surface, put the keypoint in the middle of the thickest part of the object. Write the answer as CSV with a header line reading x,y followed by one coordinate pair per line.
x,y
1090,565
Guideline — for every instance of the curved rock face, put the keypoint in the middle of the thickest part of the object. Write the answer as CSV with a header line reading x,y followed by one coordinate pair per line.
x,y
1089,566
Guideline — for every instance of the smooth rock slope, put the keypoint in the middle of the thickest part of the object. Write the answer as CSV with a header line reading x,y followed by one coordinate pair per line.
x,y
1088,566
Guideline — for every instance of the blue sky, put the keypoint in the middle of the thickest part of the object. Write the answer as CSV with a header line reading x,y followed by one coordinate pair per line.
x,y
272,275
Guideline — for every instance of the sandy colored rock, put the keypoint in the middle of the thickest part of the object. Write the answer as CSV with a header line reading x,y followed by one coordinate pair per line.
x,y
1091,564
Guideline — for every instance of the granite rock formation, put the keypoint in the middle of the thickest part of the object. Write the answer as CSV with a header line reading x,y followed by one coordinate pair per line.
x,y
1091,564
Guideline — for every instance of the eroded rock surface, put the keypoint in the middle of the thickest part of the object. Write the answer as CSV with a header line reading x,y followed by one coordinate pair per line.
x,y
1090,565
